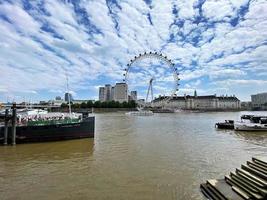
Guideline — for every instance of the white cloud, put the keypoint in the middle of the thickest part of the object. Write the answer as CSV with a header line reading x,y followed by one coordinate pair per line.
x,y
33,59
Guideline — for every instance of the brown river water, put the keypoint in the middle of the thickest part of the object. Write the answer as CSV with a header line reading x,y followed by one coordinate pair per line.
x,y
165,156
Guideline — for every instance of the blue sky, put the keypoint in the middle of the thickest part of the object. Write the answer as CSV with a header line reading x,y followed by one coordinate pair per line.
x,y
218,46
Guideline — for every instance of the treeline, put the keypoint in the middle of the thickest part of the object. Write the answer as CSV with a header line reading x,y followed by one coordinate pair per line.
x,y
99,104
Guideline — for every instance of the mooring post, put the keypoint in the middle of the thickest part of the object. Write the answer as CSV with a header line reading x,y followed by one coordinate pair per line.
x,y
6,127
14,119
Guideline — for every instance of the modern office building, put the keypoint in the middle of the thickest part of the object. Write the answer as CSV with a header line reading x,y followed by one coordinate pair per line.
x,y
102,94
133,95
259,100
107,92
121,92
67,96
112,93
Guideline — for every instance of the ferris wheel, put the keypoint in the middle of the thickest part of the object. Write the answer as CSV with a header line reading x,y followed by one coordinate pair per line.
x,y
158,56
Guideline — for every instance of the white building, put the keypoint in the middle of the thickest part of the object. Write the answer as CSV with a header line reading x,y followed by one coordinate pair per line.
x,y
101,94
121,92
258,100
106,93
210,102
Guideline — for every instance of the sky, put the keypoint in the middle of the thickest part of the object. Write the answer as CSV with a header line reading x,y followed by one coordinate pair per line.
x,y
218,46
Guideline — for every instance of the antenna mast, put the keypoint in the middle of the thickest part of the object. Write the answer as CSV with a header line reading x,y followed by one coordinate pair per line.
x,y
68,94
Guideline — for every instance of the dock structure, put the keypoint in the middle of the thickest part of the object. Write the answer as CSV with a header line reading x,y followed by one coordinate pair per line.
x,y
248,182
13,118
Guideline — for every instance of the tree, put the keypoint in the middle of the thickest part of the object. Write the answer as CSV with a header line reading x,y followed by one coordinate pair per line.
x,y
97,104
76,105
64,105
117,104
132,104
90,104
124,104
83,105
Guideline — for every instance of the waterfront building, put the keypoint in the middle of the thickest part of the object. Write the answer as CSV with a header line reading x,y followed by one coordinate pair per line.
x,y
259,100
58,97
121,92
107,92
133,95
112,93
209,102
67,96
102,94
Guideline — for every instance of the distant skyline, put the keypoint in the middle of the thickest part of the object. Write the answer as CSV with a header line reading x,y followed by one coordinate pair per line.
x,y
219,47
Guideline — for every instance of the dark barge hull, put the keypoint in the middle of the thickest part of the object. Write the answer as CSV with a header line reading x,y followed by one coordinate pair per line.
x,y
224,125
55,132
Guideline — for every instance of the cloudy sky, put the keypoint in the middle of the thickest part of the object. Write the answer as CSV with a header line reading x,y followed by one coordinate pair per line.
x,y
219,46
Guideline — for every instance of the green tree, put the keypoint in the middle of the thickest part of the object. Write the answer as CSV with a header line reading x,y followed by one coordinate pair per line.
x,y
124,104
132,104
90,104
97,104
76,105
117,104
64,105
83,105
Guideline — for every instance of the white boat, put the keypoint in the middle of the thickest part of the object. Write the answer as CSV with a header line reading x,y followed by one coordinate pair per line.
x,y
251,123
140,113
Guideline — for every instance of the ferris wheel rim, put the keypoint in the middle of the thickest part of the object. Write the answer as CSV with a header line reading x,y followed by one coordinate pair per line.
x,y
158,56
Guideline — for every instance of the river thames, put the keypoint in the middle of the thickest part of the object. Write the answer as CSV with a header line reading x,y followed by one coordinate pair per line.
x,y
165,156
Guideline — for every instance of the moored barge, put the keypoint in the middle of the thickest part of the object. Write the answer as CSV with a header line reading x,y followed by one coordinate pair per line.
x,y
44,127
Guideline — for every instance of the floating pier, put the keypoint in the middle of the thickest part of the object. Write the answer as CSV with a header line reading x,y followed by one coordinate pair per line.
x,y
248,182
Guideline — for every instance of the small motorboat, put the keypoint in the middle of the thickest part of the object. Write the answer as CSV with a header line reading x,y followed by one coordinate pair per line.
x,y
251,123
228,124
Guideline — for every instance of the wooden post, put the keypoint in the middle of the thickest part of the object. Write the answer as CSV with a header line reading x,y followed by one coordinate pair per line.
x,y
14,119
6,127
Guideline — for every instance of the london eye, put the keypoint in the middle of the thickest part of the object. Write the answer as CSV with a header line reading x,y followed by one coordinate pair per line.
x,y
130,73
